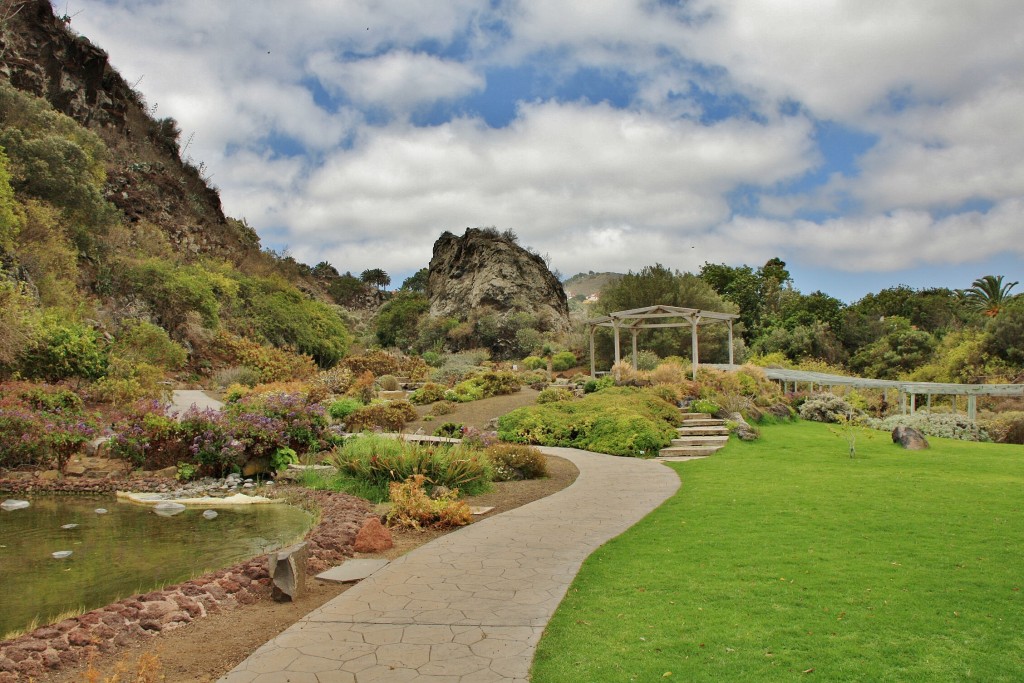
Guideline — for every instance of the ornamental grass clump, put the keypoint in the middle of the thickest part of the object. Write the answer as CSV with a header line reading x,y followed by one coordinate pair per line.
x,y
378,461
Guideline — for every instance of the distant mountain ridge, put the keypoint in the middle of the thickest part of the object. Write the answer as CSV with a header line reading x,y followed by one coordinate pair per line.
x,y
588,284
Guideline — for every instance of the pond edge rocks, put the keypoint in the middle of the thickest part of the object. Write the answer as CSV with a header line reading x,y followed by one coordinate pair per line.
x,y
140,617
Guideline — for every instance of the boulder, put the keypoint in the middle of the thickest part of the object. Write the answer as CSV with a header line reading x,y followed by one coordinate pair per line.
x,y
287,569
743,429
488,269
909,438
373,537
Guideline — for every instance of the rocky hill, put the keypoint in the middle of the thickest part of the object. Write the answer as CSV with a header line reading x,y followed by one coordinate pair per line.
x,y
146,177
485,269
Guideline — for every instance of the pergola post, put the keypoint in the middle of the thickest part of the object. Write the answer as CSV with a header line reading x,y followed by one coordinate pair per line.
x,y
954,404
618,351
635,332
694,324
972,407
731,362
903,402
593,361
913,403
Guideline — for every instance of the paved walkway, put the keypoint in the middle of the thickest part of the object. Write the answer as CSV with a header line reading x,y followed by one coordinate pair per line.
x,y
183,399
470,606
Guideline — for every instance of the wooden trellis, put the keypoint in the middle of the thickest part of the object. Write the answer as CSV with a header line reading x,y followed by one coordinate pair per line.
x,y
651,317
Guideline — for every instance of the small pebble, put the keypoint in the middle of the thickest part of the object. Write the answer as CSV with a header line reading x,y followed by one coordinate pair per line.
x,y
210,514
61,554
68,526
100,511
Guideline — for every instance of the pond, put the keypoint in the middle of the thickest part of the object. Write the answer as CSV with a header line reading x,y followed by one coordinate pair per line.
x,y
127,550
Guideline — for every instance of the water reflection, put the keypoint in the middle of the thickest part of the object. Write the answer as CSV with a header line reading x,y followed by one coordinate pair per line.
x,y
127,550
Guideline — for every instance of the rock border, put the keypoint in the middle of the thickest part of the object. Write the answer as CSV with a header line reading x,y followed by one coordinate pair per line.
x,y
139,617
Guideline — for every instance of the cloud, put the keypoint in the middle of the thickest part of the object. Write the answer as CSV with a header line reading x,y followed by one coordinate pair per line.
x,y
396,80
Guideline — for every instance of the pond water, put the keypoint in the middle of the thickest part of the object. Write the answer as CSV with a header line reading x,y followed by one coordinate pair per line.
x,y
128,550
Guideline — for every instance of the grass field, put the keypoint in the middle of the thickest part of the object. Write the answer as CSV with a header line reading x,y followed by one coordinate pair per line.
x,y
784,559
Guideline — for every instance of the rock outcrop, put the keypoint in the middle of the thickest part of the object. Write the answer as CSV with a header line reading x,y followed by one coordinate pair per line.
x,y
486,269
147,179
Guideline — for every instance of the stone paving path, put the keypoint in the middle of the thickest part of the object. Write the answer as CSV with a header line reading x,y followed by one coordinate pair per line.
x,y
183,399
470,606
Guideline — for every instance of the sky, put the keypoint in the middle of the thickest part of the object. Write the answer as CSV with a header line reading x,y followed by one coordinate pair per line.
x,y
867,143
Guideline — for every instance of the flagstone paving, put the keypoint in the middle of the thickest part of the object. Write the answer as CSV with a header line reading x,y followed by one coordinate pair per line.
x,y
470,606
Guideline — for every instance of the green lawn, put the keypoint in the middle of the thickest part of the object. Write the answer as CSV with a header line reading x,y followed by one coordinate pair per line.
x,y
784,559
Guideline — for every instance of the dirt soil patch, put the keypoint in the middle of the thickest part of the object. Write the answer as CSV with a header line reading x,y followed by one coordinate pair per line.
x,y
476,414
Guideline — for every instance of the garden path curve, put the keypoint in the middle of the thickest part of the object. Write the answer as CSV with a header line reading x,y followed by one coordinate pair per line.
x,y
183,399
470,606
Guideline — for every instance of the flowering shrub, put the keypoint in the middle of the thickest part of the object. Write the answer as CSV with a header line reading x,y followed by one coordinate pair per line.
x,y
826,408
428,393
552,394
41,425
384,363
933,424
1007,427
255,426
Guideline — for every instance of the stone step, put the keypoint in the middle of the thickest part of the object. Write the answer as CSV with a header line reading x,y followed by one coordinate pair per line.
x,y
688,450
702,431
694,416
701,441
703,422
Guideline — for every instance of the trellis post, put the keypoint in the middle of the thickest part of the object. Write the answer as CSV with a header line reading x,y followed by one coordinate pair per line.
x,y
618,352
593,361
731,362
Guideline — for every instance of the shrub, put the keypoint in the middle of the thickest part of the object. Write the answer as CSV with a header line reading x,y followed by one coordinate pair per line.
x,y
703,405
272,364
432,358
563,360
535,363
143,342
388,383
645,360
236,375
428,393
389,416
337,380
63,350
412,508
37,431
450,430
552,394
593,385
442,408
933,424
1007,427
616,420
343,407
668,372
825,408
384,363
363,388
512,462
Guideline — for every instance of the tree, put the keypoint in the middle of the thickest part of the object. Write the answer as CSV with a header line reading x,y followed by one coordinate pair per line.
x,y
417,282
376,277
398,320
988,294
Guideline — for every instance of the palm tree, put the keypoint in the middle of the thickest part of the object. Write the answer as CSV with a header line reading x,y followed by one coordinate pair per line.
x,y
989,294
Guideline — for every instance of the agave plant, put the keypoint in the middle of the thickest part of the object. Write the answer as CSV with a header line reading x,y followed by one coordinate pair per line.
x,y
989,294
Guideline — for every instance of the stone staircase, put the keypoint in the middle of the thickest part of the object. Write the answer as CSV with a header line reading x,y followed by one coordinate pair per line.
x,y
699,435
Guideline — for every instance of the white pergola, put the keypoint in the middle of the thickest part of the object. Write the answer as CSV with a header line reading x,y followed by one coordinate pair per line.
x,y
651,317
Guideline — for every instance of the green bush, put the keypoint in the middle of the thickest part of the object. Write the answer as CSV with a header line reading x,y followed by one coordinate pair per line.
x,y
450,430
389,416
933,424
563,360
618,420
343,407
702,405
513,462
143,342
592,385
552,394
428,393
442,408
535,363
1007,427
388,383
63,350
